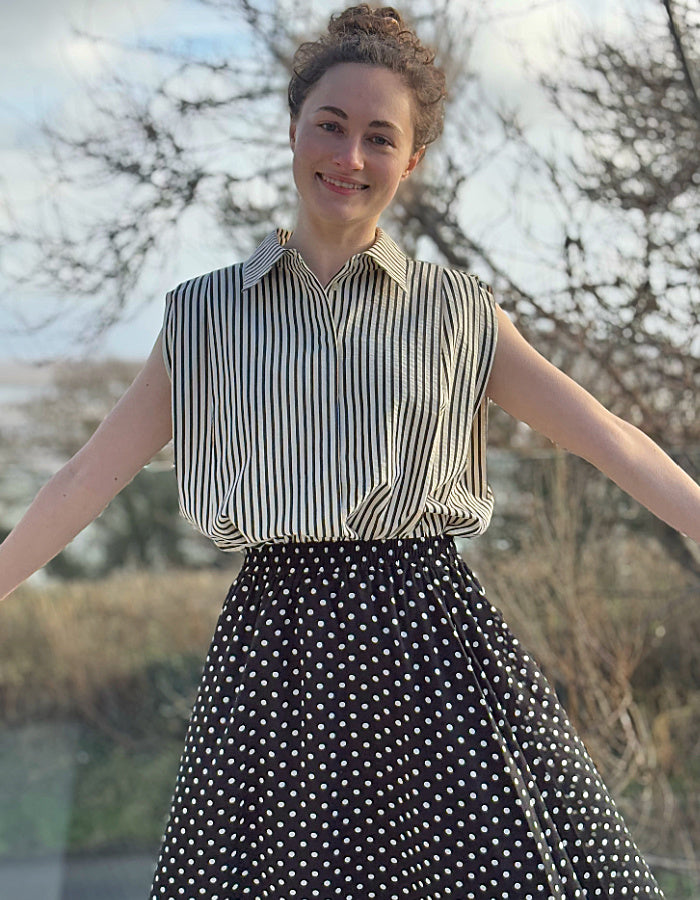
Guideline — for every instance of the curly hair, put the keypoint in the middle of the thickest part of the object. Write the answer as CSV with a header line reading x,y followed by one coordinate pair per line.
x,y
376,37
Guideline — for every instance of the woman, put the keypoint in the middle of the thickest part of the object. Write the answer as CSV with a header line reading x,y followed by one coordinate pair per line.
x,y
366,725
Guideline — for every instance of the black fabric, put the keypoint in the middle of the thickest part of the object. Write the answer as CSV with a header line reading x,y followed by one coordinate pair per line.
x,y
367,728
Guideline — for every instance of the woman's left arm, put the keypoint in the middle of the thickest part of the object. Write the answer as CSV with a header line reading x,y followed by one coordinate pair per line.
x,y
531,389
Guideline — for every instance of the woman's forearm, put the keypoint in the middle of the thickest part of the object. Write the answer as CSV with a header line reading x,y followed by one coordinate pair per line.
x,y
534,391
642,469
61,509
138,426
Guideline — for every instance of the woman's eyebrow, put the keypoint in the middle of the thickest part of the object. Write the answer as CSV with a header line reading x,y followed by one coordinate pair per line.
x,y
377,123
335,110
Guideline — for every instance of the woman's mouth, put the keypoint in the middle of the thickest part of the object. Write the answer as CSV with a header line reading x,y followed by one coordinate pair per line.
x,y
340,185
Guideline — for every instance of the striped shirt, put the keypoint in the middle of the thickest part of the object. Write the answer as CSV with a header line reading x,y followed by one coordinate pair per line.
x,y
354,410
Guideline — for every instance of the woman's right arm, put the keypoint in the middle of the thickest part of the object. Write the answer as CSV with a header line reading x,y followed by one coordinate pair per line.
x,y
138,426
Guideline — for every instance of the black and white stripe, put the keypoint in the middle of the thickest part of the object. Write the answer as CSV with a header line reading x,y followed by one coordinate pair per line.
x,y
357,410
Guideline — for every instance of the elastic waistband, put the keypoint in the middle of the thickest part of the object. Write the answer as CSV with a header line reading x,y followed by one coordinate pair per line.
x,y
402,547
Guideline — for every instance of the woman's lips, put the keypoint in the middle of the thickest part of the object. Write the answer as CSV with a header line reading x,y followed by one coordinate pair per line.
x,y
340,185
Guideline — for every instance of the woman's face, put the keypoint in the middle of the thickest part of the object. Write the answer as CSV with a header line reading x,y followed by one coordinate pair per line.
x,y
353,144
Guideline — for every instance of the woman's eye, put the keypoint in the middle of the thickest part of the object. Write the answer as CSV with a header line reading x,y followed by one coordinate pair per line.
x,y
329,126
381,140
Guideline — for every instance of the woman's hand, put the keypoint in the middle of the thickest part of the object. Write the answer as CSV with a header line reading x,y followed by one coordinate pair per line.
x,y
531,389
138,426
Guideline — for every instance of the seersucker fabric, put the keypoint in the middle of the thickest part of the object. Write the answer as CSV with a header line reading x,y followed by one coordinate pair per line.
x,y
310,412
366,727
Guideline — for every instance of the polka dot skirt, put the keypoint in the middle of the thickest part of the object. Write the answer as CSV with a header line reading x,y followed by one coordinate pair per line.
x,y
367,728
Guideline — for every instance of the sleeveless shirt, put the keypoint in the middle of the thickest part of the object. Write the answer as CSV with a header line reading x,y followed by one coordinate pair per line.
x,y
355,410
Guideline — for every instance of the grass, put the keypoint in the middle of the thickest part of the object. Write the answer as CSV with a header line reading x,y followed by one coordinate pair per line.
x,y
677,886
96,683
87,649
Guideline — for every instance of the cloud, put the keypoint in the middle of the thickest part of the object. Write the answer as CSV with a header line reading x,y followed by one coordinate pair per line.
x,y
48,62
522,39
38,32
44,59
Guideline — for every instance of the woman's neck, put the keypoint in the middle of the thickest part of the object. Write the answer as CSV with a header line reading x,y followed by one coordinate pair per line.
x,y
325,254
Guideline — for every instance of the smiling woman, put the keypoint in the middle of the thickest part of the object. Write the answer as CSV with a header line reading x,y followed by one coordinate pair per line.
x,y
353,145
362,112
366,727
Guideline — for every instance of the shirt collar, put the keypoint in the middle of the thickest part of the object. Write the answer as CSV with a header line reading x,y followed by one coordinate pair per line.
x,y
384,251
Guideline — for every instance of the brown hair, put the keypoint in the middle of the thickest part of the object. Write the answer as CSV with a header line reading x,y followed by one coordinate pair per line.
x,y
377,37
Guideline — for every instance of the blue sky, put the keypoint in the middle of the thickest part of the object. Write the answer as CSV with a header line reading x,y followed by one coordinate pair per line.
x,y
44,65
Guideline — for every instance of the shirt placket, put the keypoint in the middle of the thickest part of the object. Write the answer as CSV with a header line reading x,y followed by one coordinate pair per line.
x,y
335,465
333,299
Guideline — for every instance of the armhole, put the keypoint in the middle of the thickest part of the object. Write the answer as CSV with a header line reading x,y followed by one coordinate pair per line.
x,y
169,332
488,336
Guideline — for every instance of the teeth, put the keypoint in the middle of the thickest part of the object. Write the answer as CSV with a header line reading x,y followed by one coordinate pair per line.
x,y
343,184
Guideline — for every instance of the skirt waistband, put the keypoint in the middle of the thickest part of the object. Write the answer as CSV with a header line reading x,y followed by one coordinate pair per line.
x,y
399,548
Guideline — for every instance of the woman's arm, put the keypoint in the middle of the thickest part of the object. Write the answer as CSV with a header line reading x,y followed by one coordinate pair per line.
x,y
138,426
528,387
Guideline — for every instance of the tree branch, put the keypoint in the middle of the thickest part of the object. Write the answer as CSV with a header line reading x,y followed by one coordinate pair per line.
x,y
677,40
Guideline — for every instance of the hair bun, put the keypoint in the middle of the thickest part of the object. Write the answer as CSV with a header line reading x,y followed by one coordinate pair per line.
x,y
363,19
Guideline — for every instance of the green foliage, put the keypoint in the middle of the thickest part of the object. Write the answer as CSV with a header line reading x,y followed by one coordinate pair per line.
x,y
70,788
122,795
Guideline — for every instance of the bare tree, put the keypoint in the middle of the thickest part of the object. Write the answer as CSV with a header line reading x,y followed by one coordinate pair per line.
x,y
183,159
630,248
622,305
617,296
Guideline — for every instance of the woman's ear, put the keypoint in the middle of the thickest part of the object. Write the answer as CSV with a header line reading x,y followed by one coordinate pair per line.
x,y
413,161
292,133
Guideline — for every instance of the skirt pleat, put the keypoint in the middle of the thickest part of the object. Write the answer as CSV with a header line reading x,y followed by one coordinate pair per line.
x,y
368,728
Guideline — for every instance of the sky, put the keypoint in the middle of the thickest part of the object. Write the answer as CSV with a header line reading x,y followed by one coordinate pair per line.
x,y
45,64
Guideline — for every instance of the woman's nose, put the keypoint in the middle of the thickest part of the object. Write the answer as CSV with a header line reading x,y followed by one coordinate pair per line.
x,y
349,154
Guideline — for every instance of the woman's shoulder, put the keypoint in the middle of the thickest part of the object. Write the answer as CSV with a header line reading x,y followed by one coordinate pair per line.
x,y
462,284
458,277
202,283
